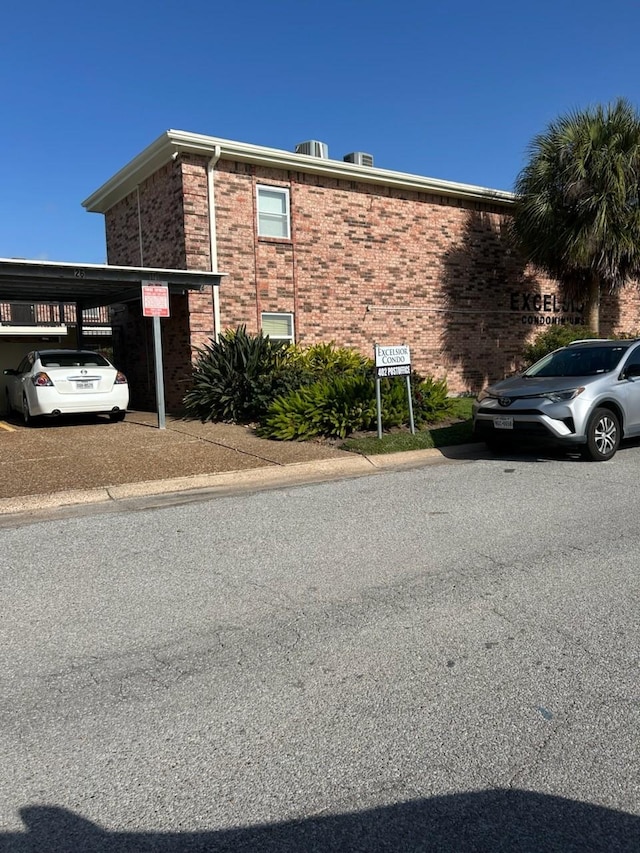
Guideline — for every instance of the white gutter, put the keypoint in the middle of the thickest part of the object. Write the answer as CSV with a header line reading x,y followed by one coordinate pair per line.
x,y
213,240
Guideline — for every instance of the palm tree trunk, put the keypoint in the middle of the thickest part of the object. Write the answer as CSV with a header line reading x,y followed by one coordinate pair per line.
x,y
593,303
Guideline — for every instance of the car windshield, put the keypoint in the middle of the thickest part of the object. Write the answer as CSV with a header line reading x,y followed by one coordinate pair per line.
x,y
578,361
73,359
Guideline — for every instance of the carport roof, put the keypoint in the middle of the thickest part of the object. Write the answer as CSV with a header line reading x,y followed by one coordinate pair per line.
x,y
92,285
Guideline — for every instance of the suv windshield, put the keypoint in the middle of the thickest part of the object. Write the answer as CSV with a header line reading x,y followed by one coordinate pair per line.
x,y
579,361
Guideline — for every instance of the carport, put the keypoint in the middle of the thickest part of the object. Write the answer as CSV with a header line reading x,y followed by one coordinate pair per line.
x,y
89,285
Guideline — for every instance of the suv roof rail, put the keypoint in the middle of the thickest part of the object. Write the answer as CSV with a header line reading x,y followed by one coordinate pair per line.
x,y
590,341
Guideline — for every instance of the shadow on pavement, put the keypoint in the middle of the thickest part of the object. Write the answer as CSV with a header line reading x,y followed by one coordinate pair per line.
x,y
484,822
531,451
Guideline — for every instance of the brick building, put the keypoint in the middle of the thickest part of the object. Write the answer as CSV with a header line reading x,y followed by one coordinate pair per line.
x,y
315,249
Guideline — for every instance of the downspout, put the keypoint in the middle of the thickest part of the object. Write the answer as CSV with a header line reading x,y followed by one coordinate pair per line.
x,y
144,325
213,240
139,225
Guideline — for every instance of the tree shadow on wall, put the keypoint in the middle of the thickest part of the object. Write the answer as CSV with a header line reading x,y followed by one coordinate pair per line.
x,y
494,303
483,334
498,821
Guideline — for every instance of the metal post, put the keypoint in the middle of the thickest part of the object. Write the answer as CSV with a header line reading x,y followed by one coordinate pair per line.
x,y
79,332
410,402
378,395
157,349
379,406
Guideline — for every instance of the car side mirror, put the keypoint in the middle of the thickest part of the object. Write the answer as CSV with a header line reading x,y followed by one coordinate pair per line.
x,y
10,372
632,372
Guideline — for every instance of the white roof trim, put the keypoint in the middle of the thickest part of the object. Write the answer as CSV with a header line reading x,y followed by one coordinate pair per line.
x,y
29,331
174,142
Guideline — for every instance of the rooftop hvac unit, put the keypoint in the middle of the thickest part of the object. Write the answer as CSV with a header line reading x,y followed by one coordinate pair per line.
x,y
313,149
359,158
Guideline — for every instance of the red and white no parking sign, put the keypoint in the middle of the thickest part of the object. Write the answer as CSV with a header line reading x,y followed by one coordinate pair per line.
x,y
155,299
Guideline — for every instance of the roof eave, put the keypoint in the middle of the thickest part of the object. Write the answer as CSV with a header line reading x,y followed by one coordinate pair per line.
x,y
175,142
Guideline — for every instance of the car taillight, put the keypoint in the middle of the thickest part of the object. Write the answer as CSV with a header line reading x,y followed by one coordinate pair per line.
x,y
121,379
41,379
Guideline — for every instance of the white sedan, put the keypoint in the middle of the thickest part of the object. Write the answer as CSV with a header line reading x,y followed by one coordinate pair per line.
x,y
65,382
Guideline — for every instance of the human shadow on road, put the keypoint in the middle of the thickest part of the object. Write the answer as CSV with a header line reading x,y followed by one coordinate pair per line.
x,y
485,822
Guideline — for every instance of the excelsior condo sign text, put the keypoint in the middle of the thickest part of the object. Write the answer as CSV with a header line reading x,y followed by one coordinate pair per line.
x,y
393,361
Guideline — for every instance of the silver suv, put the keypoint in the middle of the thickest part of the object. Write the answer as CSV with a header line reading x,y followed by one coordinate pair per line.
x,y
586,394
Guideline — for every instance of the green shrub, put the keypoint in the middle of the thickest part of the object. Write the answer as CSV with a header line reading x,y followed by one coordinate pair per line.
x,y
431,401
238,376
331,408
325,361
337,407
626,336
552,339
300,393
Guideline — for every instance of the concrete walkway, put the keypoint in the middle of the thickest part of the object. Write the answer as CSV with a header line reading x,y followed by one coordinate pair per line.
x,y
91,461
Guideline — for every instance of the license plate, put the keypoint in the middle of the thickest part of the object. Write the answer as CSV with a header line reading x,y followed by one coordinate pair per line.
x,y
503,423
84,386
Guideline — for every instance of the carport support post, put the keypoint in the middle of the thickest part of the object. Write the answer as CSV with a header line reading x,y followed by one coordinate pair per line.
x,y
79,330
157,350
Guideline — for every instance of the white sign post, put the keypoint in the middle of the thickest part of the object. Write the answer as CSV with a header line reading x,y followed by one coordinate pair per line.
x,y
393,361
155,303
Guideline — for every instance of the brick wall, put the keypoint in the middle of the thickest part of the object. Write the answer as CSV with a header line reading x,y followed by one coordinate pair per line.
x,y
365,264
166,199
370,264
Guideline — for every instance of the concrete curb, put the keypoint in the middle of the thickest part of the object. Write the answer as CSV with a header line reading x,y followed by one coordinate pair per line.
x,y
230,481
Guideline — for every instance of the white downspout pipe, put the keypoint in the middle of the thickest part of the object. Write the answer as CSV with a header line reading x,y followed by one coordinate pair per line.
x,y
139,225
213,240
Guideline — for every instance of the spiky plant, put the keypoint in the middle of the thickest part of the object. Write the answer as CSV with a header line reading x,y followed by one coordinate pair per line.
x,y
238,376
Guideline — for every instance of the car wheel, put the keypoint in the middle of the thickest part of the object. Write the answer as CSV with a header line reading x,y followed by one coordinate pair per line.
x,y
117,416
603,435
8,407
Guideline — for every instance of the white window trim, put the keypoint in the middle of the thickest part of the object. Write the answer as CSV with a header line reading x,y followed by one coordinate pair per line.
x,y
287,214
291,337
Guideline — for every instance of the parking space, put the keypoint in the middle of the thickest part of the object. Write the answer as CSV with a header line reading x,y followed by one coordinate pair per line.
x,y
92,452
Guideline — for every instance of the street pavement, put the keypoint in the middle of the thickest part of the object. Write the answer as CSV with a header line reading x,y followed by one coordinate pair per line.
x,y
440,658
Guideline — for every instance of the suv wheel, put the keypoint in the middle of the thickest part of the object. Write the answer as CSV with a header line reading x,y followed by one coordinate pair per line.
x,y
603,435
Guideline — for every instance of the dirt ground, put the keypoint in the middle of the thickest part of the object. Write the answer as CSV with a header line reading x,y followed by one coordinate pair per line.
x,y
92,452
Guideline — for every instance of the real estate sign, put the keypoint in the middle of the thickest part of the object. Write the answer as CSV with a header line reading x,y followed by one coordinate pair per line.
x,y
392,361
389,362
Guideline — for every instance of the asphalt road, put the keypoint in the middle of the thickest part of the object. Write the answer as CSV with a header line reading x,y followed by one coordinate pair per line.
x,y
440,659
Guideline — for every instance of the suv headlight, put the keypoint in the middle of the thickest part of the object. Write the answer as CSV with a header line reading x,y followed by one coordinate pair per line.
x,y
483,395
563,396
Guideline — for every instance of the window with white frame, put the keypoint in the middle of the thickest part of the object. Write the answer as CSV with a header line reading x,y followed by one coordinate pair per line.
x,y
273,212
279,327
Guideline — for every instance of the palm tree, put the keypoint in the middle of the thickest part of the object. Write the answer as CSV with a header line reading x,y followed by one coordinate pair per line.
x,y
577,212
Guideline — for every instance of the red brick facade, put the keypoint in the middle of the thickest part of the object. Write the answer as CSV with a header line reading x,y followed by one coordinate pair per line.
x,y
365,263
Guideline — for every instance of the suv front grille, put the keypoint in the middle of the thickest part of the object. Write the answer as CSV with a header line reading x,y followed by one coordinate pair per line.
x,y
508,411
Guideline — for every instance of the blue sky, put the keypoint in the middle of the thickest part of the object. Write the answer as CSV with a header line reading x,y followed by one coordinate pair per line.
x,y
451,91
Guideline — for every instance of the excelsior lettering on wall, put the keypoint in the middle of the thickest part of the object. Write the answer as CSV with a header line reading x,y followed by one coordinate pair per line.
x,y
547,309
